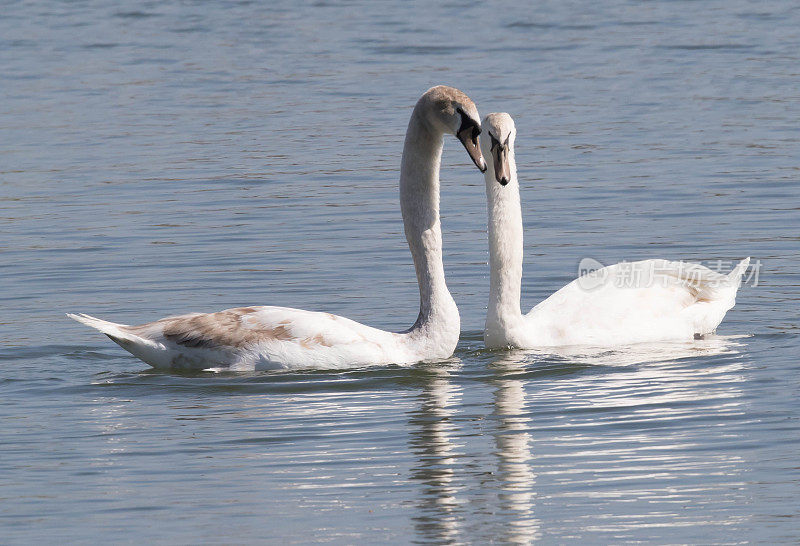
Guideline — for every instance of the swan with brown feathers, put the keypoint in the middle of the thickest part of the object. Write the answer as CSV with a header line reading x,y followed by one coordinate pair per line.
x,y
266,337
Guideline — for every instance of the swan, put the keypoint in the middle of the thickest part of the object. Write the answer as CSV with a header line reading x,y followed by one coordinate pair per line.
x,y
630,302
267,337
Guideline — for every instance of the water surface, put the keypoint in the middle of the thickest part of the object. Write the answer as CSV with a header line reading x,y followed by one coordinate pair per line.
x,y
199,156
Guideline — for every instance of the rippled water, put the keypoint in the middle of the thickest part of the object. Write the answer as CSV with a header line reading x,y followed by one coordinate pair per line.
x,y
196,156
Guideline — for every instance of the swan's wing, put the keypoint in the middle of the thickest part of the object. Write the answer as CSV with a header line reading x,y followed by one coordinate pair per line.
x,y
252,337
638,301
242,327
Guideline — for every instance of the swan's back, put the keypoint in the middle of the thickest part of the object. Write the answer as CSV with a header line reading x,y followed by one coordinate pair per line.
x,y
634,302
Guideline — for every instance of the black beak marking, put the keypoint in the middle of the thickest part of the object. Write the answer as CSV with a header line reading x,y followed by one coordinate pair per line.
x,y
468,135
502,170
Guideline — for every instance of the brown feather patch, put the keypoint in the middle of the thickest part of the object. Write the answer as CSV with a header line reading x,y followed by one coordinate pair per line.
x,y
224,329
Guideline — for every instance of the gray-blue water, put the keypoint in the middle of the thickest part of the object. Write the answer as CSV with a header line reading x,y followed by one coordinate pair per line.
x,y
158,158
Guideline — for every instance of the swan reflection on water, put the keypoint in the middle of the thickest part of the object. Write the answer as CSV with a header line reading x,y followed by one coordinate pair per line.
x,y
608,439
637,353
610,418
640,386
513,444
436,451
445,493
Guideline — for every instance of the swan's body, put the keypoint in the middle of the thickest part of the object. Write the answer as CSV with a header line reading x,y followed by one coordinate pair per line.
x,y
252,338
650,300
248,338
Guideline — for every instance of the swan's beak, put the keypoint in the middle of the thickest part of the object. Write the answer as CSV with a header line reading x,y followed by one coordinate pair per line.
x,y
468,135
502,171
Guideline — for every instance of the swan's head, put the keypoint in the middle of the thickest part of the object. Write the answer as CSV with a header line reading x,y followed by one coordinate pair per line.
x,y
451,111
497,142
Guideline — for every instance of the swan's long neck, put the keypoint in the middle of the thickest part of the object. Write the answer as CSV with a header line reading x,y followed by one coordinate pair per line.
x,y
419,203
505,252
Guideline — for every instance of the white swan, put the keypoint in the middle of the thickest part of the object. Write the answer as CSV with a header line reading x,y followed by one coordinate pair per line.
x,y
650,300
248,338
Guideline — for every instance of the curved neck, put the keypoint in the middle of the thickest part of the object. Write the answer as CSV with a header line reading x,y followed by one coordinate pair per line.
x,y
505,249
419,203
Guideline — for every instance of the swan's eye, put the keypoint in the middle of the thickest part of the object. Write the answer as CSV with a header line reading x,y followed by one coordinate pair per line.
x,y
466,122
495,142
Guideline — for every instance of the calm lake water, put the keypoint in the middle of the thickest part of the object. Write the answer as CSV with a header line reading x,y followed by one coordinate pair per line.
x,y
159,158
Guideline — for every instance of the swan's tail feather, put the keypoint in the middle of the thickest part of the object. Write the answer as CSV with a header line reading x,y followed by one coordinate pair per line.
x,y
149,350
705,284
736,275
716,294
118,333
